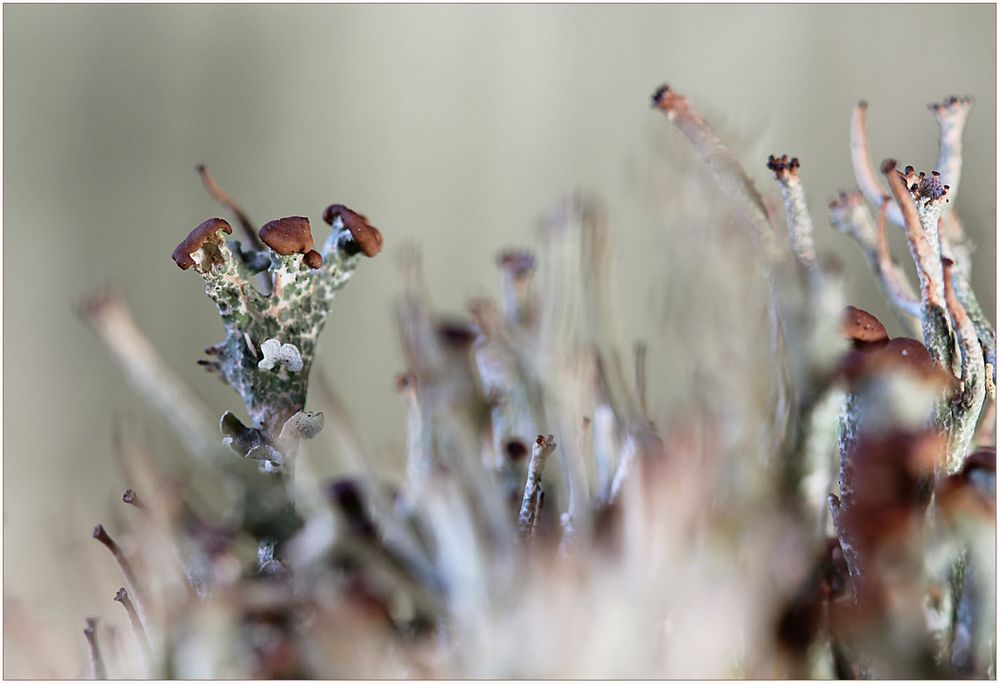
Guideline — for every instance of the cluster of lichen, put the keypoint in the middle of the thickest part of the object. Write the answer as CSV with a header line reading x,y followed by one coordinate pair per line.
x,y
860,540
289,317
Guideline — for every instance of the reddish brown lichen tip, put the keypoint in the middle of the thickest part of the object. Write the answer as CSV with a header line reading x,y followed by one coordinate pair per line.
x,y
888,166
863,328
313,259
206,231
287,236
863,104
659,94
121,595
782,166
666,99
366,236
950,103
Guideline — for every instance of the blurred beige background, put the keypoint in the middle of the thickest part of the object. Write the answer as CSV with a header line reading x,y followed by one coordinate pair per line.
x,y
449,126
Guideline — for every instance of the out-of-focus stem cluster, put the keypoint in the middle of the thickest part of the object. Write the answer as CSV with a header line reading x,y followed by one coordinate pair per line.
x,y
550,522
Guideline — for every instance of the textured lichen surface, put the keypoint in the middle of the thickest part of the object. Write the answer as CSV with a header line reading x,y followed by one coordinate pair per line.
x,y
294,313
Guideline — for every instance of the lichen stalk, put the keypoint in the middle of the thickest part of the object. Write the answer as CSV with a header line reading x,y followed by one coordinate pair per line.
x,y
895,284
727,171
951,115
528,516
861,159
97,667
966,404
850,216
122,597
800,227
934,317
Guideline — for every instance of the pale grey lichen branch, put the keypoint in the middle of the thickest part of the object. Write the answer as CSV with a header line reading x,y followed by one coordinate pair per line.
x,y
849,215
861,159
800,227
530,504
896,284
951,115
727,171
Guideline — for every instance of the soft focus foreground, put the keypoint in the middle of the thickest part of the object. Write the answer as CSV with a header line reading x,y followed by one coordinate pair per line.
x,y
819,502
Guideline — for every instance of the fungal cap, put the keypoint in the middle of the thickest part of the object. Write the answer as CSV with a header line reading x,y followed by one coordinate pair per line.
x,y
862,328
287,236
367,236
913,356
206,231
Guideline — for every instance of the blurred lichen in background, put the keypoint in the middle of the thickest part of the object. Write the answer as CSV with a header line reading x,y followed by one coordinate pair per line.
x,y
820,502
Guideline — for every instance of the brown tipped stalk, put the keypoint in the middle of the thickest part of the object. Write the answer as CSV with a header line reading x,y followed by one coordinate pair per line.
x,y
122,597
895,284
530,504
225,200
101,535
97,668
800,227
131,498
934,318
864,170
516,296
727,171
